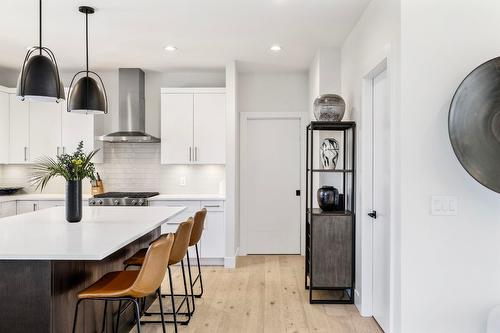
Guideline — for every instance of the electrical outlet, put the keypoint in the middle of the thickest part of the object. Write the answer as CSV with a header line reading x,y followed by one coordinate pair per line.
x,y
444,205
182,181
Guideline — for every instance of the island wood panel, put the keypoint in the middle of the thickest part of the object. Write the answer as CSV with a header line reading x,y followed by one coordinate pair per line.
x,y
40,295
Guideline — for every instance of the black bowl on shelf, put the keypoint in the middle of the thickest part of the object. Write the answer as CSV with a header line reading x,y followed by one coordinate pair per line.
x,y
9,190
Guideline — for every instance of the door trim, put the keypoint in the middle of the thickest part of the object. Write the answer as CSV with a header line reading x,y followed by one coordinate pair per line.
x,y
244,118
364,301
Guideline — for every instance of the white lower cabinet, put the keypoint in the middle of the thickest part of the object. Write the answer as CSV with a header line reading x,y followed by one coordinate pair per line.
x,y
26,206
212,239
7,209
212,243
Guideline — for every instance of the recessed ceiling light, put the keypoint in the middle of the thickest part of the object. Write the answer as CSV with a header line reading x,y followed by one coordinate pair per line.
x,y
170,48
275,48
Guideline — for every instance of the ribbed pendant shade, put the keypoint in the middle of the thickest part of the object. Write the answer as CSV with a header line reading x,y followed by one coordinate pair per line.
x,y
86,94
39,78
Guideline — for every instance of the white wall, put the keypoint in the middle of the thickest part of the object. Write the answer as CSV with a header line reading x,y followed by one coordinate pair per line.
x,y
273,92
375,36
324,75
232,206
451,265
8,76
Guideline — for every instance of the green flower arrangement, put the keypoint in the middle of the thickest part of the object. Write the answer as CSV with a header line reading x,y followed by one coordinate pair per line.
x,y
76,166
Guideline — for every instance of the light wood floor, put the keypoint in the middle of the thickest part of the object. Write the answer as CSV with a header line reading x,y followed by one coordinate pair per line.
x,y
264,294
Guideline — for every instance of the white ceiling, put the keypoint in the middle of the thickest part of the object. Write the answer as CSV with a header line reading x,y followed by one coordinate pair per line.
x,y
207,33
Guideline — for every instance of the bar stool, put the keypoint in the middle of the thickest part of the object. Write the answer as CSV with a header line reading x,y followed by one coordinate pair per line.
x,y
178,252
198,225
129,286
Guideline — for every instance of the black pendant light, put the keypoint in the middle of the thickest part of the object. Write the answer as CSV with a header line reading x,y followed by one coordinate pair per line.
x,y
39,78
87,95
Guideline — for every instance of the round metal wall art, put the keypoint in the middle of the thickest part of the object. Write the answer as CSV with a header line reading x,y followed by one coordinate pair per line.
x,y
474,124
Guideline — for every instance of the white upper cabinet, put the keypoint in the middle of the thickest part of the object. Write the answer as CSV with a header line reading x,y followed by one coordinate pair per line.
x,y
44,130
76,127
19,131
4,127
30,130
209,128
176,128
193,125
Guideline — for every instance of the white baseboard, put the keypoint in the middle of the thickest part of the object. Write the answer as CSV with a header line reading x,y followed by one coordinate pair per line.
x,y
212,261
230,262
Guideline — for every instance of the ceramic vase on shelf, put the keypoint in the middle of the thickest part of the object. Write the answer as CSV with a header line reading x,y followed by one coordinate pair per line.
x,y
74,200
329,107
328,198
329,153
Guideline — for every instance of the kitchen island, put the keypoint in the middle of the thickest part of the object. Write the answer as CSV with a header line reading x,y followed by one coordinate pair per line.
x,y
45,261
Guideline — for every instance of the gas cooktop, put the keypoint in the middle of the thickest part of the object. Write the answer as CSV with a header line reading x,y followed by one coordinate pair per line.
x,y
122,199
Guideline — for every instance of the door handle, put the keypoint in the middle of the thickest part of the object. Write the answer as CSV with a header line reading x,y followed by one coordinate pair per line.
x,y
373,214
25,154
189,153
196,153
297,193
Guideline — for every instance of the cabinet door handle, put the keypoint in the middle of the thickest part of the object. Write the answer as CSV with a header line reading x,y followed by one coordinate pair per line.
x,y
189,153
196,154
64,150
35,206
57,153
25,154
211,206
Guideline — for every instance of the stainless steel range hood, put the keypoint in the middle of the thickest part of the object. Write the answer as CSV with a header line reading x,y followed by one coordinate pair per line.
x,y
131,111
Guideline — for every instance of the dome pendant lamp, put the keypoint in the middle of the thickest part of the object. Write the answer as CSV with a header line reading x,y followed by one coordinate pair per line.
x,y
39,78
87,95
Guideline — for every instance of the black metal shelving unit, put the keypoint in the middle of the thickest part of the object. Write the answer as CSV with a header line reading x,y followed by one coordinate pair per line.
x,y
328,258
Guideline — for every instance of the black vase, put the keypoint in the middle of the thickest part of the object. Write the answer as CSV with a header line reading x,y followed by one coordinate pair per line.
x,y
74,200
328,198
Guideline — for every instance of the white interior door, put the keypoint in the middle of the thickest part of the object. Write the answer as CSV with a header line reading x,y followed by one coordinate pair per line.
x,y
272,176
381,128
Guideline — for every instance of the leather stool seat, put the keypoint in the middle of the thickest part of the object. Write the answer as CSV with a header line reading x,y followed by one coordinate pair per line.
x,y
113,284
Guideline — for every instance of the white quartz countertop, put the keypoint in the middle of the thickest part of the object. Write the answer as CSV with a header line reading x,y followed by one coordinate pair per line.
x,y
188,197
48,197
45,234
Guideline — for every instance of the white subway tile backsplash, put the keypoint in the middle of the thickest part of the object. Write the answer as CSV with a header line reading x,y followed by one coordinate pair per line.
x,y
134,167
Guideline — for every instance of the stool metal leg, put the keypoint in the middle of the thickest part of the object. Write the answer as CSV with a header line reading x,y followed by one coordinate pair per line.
x,y
161,311
172,298
199,272
76,315
137,315
104,317
186,293
191,282
118,316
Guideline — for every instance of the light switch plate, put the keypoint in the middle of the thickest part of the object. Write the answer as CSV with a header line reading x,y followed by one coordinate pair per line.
x,y
444,205
182,181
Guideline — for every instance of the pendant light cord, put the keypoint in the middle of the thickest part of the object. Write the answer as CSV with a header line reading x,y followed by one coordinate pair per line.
x,y
40,21
87,41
